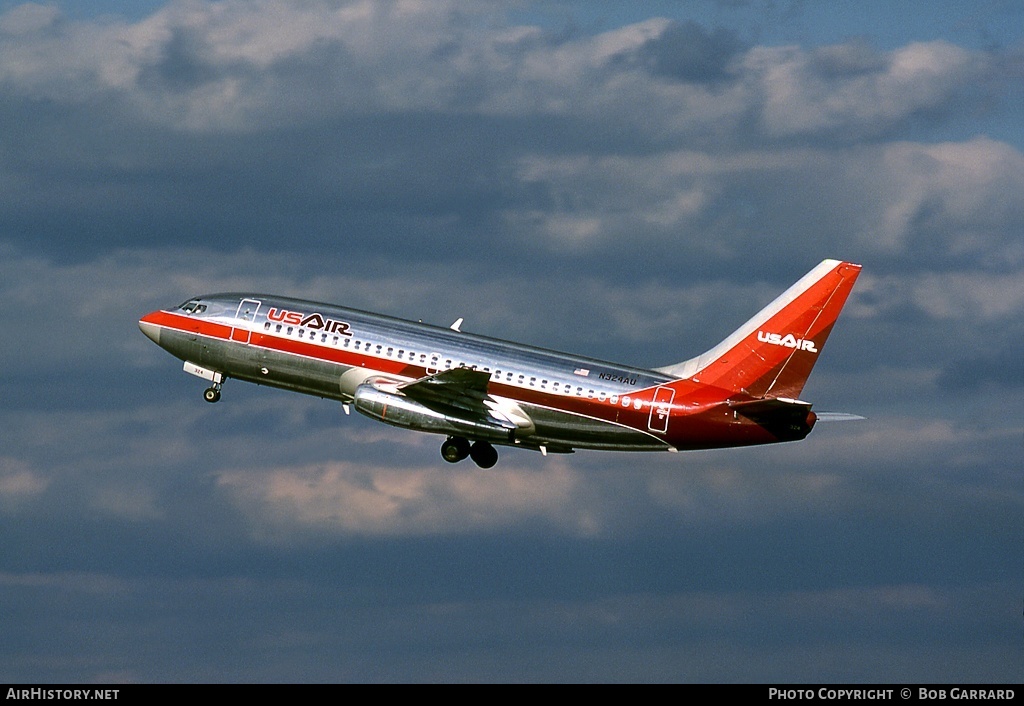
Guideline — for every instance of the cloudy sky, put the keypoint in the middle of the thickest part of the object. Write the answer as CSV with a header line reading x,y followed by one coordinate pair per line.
x,y
625,180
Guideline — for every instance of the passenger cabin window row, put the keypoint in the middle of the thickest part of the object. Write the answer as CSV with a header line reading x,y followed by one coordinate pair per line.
x,y
434,362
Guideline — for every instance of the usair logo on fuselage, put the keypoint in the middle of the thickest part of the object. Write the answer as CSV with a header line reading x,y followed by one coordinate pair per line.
x,y
317,322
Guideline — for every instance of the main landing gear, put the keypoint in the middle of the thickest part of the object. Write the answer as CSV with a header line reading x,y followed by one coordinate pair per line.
x,y
455,448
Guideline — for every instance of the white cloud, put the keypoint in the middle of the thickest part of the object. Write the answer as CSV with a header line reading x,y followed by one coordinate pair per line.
x,y
968,192
29,18
946,201
242,65
349,498
197,69
18,481
850,88
966,297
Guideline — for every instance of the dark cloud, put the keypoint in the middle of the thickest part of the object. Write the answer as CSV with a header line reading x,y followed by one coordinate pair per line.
x,y
633,193
999,365
180,65
686,51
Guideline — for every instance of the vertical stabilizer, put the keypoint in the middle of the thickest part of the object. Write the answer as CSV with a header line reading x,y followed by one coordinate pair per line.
x,y
773,353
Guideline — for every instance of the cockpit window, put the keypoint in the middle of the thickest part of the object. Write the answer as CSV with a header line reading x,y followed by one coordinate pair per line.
x,y
193,307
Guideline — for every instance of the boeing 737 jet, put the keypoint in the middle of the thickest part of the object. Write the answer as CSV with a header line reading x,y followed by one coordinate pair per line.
x,y
480,392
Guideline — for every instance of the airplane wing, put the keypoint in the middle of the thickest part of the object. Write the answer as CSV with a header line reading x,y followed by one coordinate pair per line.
x,y
460,391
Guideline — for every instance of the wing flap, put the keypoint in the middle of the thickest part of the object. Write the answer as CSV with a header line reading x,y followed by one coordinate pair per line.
x,y
458,393
461,388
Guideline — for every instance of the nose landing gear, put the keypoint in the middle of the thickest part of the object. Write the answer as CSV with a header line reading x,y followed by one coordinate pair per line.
x,y
455,448
212,394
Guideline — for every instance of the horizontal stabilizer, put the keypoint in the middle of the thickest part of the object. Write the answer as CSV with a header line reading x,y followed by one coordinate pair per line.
x,y
785,418
772,408
838,417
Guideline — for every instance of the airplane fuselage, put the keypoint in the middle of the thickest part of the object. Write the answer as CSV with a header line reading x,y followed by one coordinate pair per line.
x,y
475,388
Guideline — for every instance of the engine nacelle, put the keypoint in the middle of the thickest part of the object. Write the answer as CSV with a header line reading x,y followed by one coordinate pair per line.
x,y
398,410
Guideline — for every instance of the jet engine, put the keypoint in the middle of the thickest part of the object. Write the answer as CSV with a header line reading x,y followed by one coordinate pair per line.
x,y
392,407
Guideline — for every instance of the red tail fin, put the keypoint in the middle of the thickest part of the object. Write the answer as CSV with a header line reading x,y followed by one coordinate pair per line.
x,y
772,354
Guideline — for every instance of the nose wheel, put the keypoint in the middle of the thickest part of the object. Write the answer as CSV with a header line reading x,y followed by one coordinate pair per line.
x,y
455,448
212,394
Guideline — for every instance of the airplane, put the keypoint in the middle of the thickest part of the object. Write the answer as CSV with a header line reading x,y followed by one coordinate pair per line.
x,y
480,392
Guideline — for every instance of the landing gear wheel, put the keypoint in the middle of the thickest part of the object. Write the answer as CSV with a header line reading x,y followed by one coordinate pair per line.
x,y
454,449
483,454
211,394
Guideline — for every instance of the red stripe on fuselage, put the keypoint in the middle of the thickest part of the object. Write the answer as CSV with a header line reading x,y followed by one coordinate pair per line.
x,y
700,405
329,354
188,324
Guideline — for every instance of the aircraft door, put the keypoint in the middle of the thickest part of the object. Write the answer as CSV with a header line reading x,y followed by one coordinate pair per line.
x,y
433,363
246,313
661,409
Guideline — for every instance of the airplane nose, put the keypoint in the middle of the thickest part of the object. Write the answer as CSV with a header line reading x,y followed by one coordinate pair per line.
x,y
151,330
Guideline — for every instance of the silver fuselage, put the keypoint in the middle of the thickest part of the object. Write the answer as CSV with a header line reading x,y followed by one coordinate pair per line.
x,y
328,351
